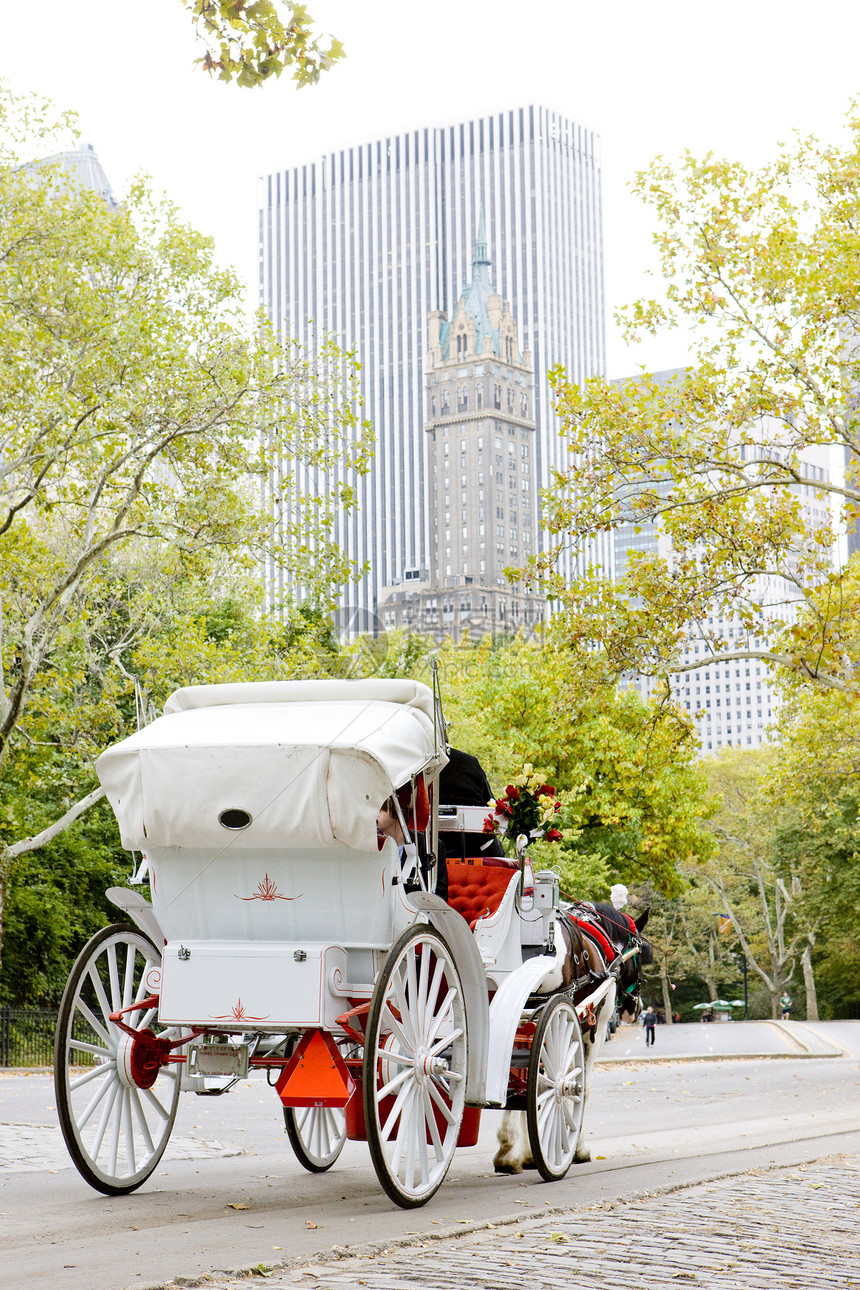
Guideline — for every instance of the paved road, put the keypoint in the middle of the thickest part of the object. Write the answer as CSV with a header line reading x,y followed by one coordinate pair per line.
x,y
656,1123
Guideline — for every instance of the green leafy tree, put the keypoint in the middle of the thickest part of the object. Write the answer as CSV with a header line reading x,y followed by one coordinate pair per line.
x,y
631,790
250,41
757,884
139,424
726,460
689,948
818,838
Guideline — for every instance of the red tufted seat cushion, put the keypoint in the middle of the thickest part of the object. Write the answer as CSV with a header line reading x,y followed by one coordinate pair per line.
x,y
475,891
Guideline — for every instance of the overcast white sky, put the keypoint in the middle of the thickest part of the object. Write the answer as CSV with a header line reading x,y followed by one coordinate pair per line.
x,y
734,78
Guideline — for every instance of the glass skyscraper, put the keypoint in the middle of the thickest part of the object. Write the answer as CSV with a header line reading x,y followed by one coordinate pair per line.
x,y
365,242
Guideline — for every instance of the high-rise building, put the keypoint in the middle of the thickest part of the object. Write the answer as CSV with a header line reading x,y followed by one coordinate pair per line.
x,y
732,701
482,485
369,242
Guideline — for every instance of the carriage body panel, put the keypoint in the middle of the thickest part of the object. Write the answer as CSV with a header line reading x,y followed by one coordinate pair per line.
x,y
266,894
244,986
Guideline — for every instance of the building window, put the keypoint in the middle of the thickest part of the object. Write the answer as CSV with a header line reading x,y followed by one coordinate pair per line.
x,y
479,397
497,396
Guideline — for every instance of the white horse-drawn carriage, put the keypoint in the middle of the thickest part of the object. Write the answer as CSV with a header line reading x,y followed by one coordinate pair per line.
x,y
286,936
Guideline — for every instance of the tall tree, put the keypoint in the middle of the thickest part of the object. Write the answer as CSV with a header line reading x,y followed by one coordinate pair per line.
x,y
139,421
756,885
815,797
726,459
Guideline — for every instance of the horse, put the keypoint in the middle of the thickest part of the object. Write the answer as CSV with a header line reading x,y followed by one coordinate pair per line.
x,y
596,939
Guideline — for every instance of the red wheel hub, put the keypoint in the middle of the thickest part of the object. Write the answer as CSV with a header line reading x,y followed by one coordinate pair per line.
x,y
148,1055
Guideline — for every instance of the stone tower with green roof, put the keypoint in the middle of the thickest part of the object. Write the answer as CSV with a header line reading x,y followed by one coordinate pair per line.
x,y
481,470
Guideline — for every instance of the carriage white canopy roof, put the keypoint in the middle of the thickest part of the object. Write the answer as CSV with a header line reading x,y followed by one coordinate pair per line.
x,y
310,762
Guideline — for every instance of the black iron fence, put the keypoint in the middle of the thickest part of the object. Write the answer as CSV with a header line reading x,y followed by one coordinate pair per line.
x,y
27,1036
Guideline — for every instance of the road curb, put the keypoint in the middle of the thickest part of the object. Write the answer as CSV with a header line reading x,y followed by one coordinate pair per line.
x,y
809,1041
609,1062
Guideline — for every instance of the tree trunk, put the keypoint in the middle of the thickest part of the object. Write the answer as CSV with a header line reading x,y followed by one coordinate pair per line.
x,y
667,993
5,867
809,979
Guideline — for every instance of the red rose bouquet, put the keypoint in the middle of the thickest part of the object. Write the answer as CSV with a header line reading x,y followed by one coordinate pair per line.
x,y
527,809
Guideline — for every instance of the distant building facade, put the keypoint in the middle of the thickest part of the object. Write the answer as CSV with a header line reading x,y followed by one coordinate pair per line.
x,y
732,703
82,165
480,437
369,242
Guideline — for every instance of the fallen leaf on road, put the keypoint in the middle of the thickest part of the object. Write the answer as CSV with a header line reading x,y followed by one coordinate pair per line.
x,y
235,1204
311,1225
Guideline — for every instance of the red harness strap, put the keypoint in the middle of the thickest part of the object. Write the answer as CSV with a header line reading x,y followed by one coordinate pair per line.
x,y
596,933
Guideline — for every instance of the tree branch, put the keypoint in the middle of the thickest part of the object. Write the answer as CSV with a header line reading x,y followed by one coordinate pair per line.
x,y
39,840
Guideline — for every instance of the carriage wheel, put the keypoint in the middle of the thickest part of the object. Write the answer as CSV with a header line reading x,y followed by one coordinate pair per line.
x,y
555,1099
317,1135
414,1072
115,1129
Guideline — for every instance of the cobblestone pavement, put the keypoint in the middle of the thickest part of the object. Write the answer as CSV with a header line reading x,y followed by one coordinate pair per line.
x,y
786,1228
32,1148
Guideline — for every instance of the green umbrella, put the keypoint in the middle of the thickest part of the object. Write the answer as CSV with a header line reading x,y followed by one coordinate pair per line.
x,y
720,1004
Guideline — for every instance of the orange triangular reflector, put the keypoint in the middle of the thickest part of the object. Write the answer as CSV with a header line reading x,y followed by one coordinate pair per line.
x,y
316,1074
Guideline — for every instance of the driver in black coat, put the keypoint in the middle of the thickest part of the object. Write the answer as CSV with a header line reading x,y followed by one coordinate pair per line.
x,y
463,782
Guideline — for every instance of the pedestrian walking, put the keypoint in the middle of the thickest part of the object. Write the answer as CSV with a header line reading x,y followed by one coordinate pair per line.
x,y
649,1021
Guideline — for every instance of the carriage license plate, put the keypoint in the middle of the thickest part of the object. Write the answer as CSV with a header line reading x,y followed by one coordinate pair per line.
x,y
218,1059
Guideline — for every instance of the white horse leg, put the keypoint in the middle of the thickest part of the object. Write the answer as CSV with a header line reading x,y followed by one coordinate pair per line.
x,y
583,1150
514,1153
